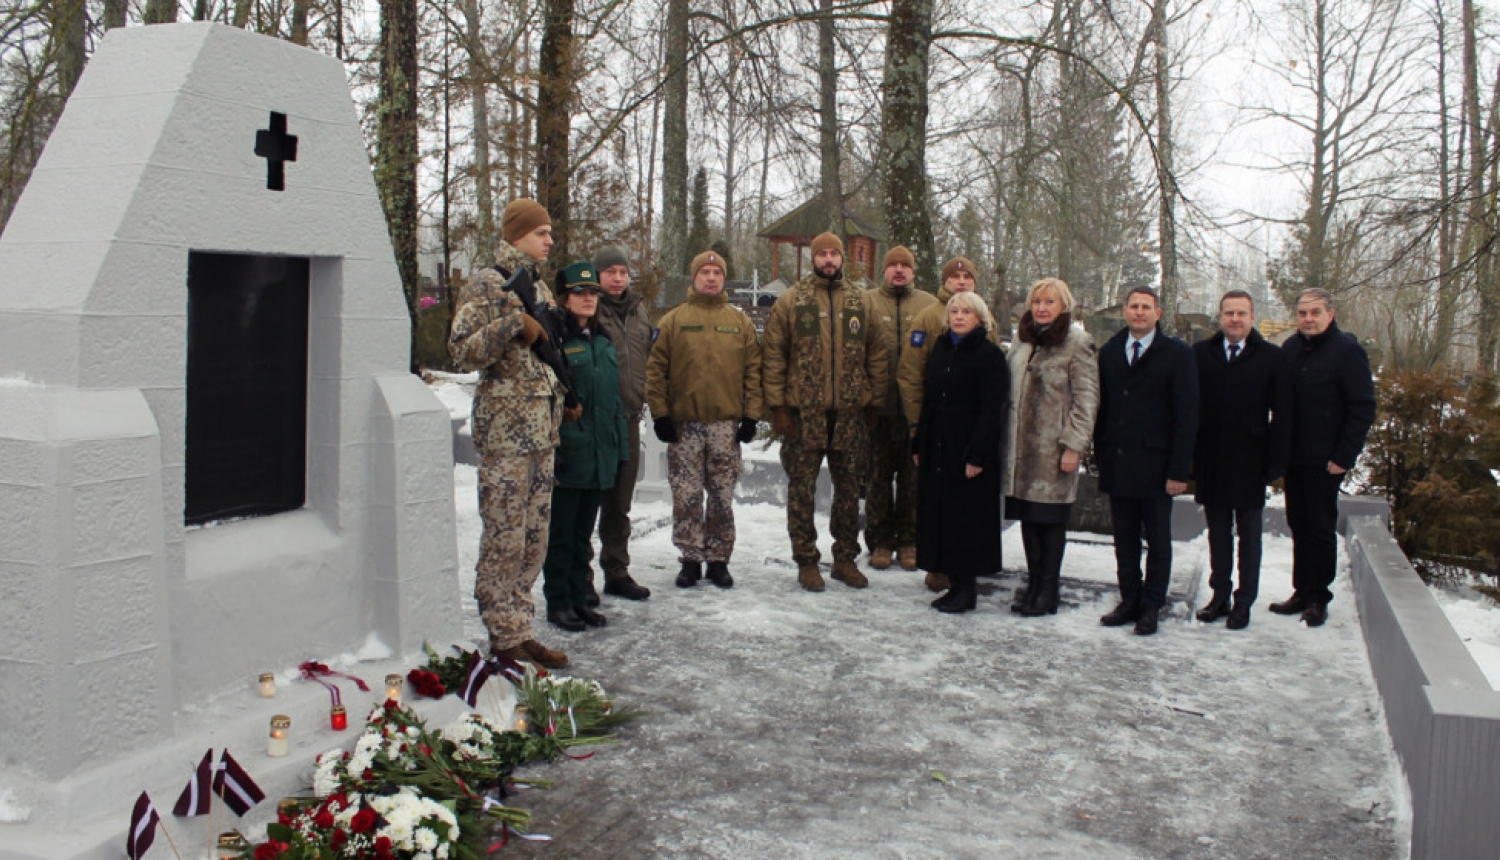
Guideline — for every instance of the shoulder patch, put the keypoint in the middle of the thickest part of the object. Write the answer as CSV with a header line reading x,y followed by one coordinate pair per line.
x,y
655,333
918,338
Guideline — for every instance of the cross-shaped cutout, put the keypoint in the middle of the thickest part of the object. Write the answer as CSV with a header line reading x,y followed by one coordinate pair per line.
x,y
276,147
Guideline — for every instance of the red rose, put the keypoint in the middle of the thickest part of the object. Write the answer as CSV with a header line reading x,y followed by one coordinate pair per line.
x,y
368,775
383,848
339,838
364,820
427,684
270,850
324,818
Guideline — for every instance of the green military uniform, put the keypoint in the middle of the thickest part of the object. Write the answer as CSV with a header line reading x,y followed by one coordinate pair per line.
x,y
891,518
517,411
629,327
825,362
705,374
589,455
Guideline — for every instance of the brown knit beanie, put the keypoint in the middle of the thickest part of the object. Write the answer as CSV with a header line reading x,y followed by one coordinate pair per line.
x,y
521,216
707,258
827,240
959,264
899,254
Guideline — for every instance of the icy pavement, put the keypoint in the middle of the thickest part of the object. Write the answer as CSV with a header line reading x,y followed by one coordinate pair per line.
x,y
865,724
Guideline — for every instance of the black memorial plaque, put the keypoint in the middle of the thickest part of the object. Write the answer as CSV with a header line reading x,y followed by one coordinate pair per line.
x,y
246,385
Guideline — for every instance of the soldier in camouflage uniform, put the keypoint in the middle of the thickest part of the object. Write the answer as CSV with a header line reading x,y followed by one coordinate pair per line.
x,y
703,385
891,518
826,378
517,410
911,372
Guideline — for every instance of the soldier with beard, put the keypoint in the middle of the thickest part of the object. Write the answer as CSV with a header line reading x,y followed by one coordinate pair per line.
x,y
826,378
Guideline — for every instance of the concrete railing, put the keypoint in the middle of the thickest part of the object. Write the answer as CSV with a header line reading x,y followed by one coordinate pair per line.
x,y
1444,716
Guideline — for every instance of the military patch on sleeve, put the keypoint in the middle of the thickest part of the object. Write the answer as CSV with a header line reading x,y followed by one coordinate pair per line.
x,y
655,333
727,329
918,338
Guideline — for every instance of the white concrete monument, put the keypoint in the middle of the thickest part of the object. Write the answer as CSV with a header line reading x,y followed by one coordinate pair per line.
x,y
213,461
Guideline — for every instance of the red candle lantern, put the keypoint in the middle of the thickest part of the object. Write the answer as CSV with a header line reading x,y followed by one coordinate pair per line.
x,y
338,718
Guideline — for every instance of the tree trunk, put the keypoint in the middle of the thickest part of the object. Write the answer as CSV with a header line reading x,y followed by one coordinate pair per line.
x,y
1447,299
69,28
674,134
828,121
731,134
479,78
299,21
160,12
242,10
1166,177
554,119
396,140
904,133
115,12
1480,232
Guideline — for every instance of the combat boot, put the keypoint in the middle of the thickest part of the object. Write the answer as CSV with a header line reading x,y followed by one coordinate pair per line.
x,y
880,558
543,656
718,574
691,572
848,574
937,582
809,577
908,557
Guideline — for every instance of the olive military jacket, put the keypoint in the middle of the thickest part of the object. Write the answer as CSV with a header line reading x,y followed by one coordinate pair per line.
x,y
706,363
897,312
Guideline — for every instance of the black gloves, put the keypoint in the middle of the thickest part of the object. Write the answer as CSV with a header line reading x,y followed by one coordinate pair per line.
x,y
746,433
666,431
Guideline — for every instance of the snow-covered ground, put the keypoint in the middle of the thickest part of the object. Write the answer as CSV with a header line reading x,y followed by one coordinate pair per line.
x,y
865,724
1476,620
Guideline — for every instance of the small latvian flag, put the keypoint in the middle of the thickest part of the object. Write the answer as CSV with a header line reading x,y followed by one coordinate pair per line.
x,y
480,671
195,797
143,822
236,787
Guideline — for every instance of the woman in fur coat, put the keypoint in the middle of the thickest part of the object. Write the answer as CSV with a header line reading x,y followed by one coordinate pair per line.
x,y
1054,381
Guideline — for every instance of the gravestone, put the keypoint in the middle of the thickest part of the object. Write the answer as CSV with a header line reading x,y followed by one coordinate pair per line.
x,y
213,459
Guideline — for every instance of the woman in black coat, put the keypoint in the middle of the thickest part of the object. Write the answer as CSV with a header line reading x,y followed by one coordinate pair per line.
x,y
964,398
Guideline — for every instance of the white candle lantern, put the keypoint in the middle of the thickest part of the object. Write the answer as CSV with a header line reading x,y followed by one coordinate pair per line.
x,y
281,729
267,685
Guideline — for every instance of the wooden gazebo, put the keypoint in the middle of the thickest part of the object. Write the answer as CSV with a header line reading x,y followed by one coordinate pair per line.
x,y
798,227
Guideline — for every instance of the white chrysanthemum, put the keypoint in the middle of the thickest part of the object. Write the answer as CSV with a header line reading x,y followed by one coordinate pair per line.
x,y
425,839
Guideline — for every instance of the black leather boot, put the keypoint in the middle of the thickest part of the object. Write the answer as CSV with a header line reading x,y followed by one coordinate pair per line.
x,y
718,574
566,619
1051,541
1025,596
691,572
1127,612
624,586
588,616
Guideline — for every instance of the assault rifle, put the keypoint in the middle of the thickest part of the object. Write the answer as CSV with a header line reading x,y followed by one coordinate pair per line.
x,y
547,350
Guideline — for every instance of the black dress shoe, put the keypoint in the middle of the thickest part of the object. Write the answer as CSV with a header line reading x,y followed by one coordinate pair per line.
x,y
588,616
956,601
718,574
566,619
691,572
1127,612
1315,614
590,597
1239,616
1294,605
1217,608
1146,624
624,586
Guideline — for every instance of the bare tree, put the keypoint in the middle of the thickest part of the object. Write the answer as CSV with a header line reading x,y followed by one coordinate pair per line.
x,y
904,132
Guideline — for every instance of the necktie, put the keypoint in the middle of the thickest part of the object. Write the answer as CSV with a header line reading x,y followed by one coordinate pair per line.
x,y
1234,350
1135,352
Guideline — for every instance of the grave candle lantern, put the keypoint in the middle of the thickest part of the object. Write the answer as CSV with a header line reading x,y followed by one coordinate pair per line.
x,y
232,844
520,715
393,687
267,685
338,718
281,728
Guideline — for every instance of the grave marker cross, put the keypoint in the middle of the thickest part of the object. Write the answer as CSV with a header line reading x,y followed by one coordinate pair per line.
x,y
276,147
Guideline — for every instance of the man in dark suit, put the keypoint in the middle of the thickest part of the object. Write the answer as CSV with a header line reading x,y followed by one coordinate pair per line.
x,y
1244,429
1333,406
1143,440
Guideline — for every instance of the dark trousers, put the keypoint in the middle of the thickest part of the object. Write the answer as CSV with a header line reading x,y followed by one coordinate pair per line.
x,y
1225,522
1132,518
565,572
1312,512
614,512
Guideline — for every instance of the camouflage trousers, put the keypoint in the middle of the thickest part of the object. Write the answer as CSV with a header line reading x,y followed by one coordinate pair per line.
x,y
515,502
846,467
891,518
703,466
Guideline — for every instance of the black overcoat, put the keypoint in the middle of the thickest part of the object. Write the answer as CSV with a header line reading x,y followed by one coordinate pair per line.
x,y
965,394
1148,417
1244,421
1333,397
